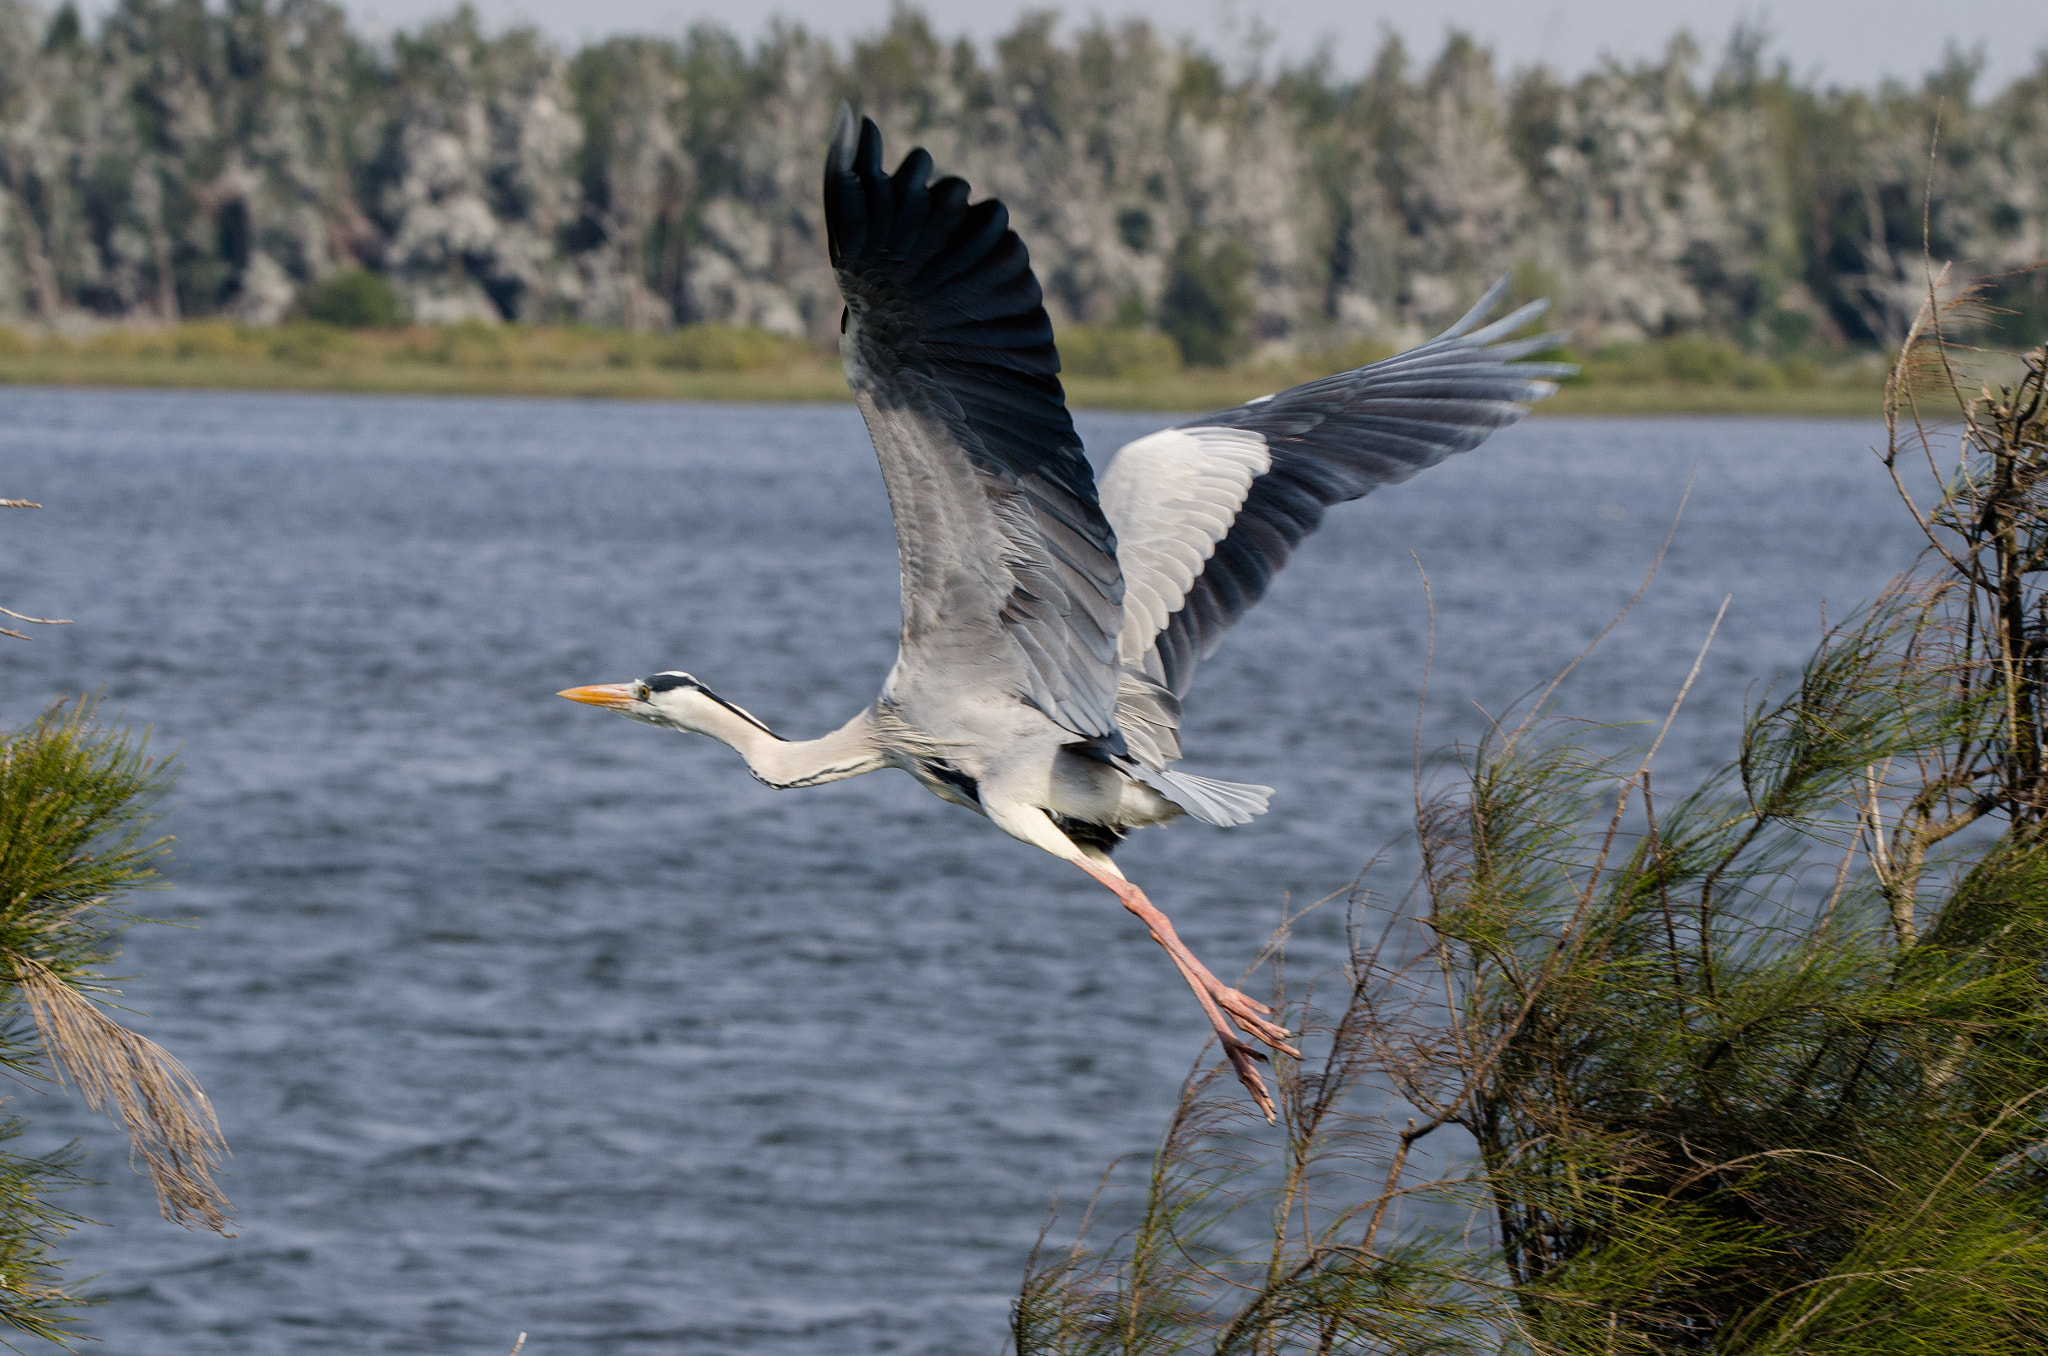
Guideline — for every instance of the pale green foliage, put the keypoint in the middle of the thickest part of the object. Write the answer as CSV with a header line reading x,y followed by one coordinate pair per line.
x,y
76,800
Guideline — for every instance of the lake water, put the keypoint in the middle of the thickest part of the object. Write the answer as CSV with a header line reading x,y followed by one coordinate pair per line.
x,y
519,1016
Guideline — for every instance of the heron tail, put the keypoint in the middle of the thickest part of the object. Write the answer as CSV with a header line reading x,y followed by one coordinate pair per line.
x,y
1211,801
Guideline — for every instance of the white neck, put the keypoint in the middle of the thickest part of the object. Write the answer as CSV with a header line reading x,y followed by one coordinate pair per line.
x,y
782,763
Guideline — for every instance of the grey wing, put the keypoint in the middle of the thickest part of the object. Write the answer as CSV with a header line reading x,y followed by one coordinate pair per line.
x,y
1010,571
1208,512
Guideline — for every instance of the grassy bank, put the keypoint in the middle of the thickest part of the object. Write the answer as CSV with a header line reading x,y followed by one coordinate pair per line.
x,y
1122,370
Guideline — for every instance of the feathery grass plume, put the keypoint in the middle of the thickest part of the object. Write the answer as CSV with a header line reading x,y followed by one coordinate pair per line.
x,y
1757,1069
76,803
170,1122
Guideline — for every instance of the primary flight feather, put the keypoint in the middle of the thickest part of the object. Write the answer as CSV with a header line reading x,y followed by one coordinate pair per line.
x,y
1051,627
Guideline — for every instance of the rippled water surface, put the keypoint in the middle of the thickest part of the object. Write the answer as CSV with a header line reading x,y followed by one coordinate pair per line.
x,y
521,1016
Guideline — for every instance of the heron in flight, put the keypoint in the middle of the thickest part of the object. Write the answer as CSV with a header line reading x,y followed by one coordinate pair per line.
x,y
1051,625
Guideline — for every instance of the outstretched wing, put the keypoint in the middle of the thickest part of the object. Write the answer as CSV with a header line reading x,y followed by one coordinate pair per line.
x,y
1009,568
1207,513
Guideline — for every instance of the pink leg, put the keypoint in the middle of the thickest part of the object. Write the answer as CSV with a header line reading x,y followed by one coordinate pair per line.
x,y
1213,994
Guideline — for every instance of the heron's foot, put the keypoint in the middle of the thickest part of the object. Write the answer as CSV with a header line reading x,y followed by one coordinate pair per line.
x,y
1246,1061
1222,1003
1250,1013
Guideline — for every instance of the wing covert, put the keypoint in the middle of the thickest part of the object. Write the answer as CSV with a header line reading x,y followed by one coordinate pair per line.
x,y
1009,566
1173,496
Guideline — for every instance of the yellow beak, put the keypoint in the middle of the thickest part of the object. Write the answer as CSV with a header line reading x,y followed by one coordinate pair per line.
x,y
617,696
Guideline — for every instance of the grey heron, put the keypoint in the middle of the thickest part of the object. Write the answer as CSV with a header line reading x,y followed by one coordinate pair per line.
x,y
1051,626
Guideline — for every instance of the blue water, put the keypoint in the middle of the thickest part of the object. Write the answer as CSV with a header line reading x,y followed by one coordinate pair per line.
x,y
519,1016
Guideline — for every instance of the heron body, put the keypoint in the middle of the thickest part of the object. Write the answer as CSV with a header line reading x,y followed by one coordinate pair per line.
x,y
1051,626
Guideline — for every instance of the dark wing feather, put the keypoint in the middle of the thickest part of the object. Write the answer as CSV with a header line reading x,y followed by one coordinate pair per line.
x,y
1006,554
1328,441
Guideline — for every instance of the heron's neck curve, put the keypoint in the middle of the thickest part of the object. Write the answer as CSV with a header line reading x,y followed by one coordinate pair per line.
x,y
783,763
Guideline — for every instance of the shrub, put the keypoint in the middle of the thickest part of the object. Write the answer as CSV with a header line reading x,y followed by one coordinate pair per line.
x,y
1790,331
128,344
466,346
1702,360
1698,360
304,344
726,348
1120,354
1206,306
2017,306
214,339
355,300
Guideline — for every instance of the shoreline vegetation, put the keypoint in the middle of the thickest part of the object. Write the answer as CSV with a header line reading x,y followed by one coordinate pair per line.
x,y
1105,368
272,160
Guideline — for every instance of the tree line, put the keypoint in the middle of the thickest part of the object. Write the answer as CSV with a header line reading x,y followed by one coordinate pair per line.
x,y
178,160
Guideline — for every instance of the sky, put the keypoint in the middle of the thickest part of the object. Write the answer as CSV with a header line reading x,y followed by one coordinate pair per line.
x,y
1837,41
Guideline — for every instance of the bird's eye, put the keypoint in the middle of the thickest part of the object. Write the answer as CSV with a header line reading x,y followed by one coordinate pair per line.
x,y
642,692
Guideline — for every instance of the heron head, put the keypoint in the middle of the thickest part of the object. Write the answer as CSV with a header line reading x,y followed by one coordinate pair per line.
x,y
670,699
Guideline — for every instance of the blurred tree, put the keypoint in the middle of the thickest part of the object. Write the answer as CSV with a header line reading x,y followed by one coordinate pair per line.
x,y
1205,306
355,300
